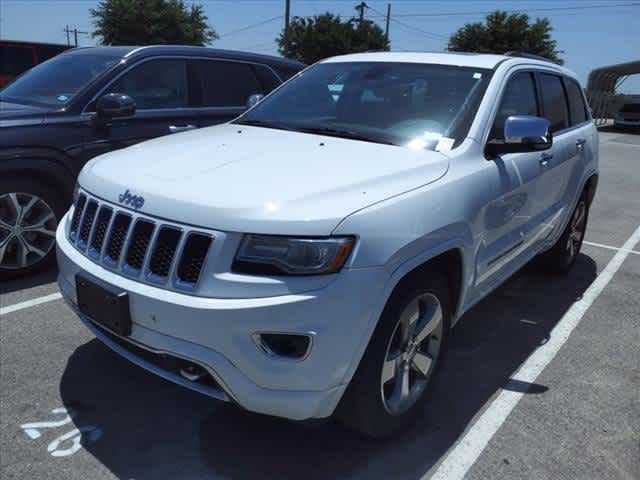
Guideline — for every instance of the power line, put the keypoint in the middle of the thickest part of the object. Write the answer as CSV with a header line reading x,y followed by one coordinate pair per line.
x,y
524,10
253,25
410,27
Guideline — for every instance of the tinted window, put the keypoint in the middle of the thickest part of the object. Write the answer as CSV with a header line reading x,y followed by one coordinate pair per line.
x,y
226,84
519,98
554,102
56,81
577,108
15,60
631,108
409,104
155,84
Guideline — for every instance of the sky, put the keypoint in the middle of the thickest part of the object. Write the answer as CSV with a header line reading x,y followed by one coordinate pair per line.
x,y
590,33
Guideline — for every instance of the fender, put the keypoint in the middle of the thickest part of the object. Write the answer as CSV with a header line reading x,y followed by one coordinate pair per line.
x,y
49,163
459,243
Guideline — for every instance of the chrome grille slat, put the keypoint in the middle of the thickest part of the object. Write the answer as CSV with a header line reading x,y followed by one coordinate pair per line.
x,y
135,245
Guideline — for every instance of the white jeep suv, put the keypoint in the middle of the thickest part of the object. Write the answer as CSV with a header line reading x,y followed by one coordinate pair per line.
x,y
310,257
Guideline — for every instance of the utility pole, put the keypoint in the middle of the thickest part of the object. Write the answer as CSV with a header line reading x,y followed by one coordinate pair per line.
x,y
361,8
386,28
287,12
75,31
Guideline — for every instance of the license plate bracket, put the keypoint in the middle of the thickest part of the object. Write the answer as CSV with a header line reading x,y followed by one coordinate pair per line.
x,y
107,308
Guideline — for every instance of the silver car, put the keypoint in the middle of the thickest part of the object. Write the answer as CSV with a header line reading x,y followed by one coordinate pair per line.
x,y
310,257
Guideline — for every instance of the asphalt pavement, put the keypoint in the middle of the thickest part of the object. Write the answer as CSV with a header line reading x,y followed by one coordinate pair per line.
x,y
72,409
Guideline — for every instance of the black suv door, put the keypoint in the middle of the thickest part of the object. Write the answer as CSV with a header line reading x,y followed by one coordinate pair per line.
x,y
164,105
221,88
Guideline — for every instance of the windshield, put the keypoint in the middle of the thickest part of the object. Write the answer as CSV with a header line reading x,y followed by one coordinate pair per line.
x,y
56,81
409,104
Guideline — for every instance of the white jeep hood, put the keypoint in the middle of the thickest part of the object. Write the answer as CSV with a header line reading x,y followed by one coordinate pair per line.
x,y
259,180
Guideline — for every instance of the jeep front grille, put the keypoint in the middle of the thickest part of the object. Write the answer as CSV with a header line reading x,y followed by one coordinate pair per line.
x,y
138,246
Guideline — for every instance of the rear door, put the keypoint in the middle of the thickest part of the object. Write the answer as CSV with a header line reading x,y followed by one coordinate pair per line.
x,y
221,88
160,88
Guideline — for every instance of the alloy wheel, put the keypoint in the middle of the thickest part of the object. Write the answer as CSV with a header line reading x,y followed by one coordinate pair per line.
x,y
411,353
27,230
576,229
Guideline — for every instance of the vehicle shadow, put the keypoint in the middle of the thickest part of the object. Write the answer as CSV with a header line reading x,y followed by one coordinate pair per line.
x,y
30,281
153,429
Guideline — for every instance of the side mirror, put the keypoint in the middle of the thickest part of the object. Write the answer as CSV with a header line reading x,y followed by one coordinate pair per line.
x,y
522,133
253,99
115,105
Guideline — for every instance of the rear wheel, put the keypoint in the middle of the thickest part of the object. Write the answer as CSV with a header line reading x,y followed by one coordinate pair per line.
x,y
561,257
402,357
29,215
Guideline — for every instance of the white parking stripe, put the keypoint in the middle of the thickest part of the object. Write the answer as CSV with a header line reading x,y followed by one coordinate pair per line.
x,y
609,247
461,457
29,303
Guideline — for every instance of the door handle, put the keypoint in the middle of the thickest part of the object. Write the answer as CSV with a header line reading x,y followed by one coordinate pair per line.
x,y
181,128
544,159
580,142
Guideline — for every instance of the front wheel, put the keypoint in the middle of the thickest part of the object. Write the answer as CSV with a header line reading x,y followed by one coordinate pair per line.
x,y
403,355
29,214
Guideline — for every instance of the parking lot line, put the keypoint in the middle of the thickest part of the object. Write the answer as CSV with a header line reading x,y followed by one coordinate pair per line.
x,y
609,247
29,303
462,457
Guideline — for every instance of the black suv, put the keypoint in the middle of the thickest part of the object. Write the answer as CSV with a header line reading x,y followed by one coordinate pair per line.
x,y
88,101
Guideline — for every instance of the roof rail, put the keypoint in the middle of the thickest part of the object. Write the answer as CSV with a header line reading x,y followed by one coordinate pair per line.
x,y
515,53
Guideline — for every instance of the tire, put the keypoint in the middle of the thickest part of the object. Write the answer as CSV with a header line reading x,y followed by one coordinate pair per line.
x,y
29,214
374,406
560,258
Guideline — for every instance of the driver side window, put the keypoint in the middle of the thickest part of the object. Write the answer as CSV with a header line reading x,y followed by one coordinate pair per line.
x,y
155,84
519,98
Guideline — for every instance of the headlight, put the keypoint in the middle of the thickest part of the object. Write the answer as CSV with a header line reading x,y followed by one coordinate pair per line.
x,y
272,255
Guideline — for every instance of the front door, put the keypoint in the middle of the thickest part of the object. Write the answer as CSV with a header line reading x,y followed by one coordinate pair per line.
x,y
511,219
163,106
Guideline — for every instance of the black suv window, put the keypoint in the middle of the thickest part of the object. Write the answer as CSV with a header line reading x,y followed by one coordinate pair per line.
x,y
155,84
15,60
225,84
519,99
554,101
577,108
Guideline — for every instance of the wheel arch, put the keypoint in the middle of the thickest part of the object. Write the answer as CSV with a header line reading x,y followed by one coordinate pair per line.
x,y
448,258
44,169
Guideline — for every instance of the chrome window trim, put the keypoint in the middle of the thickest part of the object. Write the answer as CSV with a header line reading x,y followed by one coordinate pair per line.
x,y
186,58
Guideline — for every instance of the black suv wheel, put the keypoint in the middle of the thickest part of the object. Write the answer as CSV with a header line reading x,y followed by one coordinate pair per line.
x,y
29,215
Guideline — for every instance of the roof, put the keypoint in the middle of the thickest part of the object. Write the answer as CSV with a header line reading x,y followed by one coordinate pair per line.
x,y
131,51
606,78
459,59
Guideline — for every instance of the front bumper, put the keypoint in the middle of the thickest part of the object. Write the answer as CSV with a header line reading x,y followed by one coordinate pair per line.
x,y
216,333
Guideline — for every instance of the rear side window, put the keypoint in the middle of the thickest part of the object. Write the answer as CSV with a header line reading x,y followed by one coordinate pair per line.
x,y
15,60
226,84
155,84
519,98
577,108
554,101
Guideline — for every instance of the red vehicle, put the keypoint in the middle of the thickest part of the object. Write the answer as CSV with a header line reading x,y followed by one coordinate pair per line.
x,y
18,57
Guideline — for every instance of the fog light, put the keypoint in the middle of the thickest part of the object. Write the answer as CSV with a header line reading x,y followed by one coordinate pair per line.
x,y
285,345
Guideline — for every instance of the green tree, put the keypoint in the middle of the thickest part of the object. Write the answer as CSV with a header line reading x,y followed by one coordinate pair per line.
x,y
503,32
309,39
148,22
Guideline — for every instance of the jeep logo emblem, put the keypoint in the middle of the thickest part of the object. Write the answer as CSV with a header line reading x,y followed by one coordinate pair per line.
x,y
134,201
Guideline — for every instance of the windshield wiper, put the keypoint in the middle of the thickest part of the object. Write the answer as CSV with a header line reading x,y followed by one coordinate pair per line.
x,y
263,123
337,132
